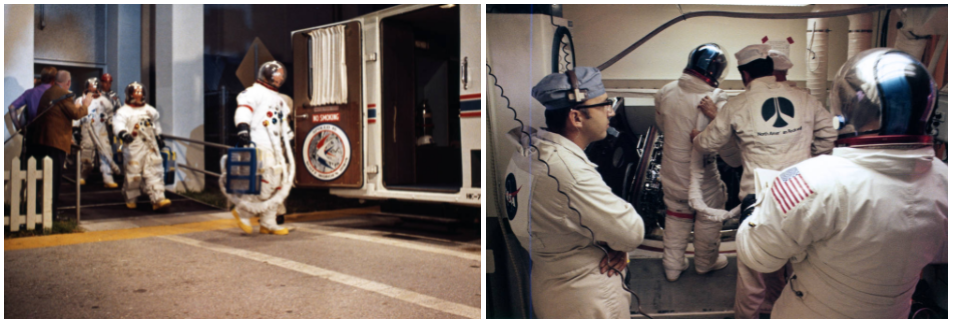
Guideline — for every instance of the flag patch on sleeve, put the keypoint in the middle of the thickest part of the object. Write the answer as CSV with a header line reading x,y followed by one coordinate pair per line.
x,y
789,189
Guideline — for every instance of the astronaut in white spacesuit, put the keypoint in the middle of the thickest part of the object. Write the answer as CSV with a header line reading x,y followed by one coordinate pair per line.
x,y
137,124
262,119
94,142
676,116
860,225
106,87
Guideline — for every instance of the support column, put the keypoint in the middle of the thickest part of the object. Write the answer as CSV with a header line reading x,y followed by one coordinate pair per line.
x,y
124,45
17,70
179,85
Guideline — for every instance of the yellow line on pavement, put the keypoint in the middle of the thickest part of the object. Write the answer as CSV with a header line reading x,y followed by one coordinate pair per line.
x,y
165,230
112,235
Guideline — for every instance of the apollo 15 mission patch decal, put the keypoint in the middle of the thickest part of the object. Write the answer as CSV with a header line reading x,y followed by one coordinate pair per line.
x,y
327,152
511,199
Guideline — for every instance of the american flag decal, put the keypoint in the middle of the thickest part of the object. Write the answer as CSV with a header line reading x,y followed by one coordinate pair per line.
x,y
790,188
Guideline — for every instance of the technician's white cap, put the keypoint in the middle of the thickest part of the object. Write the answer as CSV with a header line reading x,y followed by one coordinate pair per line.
x,y
751,53
782,63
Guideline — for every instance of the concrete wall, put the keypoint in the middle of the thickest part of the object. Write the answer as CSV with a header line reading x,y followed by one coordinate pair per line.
x,y
179,85
73,34
123,44
602,31
17,69
17,55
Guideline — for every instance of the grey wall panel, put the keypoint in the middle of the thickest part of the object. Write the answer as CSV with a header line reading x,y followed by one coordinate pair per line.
x,y
123,42
70,33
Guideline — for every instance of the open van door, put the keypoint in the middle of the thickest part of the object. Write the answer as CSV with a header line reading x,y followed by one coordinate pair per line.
x,y
470,108
420,100
327,106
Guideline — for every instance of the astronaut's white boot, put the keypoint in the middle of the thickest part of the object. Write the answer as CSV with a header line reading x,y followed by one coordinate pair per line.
x,y
675,241
243,223
706,244
268,225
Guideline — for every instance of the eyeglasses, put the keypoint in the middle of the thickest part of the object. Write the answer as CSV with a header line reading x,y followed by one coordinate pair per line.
x,y
610,105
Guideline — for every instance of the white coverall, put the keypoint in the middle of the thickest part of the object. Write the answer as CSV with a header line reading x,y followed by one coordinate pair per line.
x,y
859,228
751,119
143,161
266,113
806,132
677,113
565,278
95,141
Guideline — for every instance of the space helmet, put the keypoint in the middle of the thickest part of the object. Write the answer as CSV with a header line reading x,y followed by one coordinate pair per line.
x,y
708,63
883,97
269,71
130,89
91,81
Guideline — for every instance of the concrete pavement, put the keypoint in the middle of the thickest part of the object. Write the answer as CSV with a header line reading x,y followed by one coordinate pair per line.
x,y
342,264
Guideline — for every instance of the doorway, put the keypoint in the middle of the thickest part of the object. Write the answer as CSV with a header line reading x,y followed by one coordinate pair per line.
x,y
421,100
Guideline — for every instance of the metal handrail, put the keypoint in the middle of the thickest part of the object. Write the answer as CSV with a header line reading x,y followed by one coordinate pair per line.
x,y
79,167
79,194
228,204
205,143
199,170
210,144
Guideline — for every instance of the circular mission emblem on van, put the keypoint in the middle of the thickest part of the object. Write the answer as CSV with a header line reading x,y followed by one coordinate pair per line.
x,y
327,152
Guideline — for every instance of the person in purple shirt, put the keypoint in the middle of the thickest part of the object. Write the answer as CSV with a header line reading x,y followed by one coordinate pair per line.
x,y
31,97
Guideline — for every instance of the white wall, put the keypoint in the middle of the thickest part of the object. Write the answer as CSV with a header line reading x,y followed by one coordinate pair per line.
x,y
17,66
602,31
179,85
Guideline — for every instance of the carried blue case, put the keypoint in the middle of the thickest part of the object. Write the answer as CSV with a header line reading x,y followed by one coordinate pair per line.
x,y
168,165
241,169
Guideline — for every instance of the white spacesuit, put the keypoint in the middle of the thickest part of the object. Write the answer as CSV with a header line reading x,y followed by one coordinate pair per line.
x,y
262,118
852,257
677,114
137,124
95,143
859,225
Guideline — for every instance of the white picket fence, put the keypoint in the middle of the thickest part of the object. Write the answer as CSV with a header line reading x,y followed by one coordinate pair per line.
x,y
16,182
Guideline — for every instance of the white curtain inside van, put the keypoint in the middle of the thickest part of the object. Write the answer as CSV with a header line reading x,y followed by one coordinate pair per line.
x,y
329,73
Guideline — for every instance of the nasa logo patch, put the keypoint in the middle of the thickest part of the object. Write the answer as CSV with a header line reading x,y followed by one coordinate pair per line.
x,y
327,152
511,199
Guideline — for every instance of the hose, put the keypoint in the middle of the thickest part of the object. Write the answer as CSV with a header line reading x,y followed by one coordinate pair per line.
x,y
500,220
287,180
101,148
729,14
555,53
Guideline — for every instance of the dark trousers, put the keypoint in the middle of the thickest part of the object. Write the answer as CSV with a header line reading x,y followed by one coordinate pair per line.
x,y
59,159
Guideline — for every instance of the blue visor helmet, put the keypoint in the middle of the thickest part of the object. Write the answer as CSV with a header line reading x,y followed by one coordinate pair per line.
x,y
885,92
707,62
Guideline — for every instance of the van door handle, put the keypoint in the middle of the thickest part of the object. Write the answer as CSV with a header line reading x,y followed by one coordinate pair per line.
x,y
464,73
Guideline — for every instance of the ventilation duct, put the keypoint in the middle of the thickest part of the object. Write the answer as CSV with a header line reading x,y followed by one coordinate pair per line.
x,y
817,56
859,32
